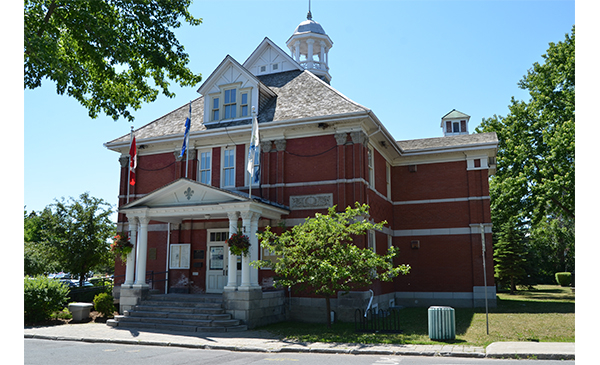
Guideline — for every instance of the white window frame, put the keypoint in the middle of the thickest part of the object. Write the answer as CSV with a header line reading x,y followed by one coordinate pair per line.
x,y
215,108
388,180
231,103
179,256
220,105
371,165
372,241
224,168
247,104
200,167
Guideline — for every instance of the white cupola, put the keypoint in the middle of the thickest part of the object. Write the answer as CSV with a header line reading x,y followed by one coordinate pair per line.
x,y
455,123
309,46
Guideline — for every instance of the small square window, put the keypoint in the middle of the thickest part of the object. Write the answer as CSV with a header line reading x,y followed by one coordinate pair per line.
x,y
275,66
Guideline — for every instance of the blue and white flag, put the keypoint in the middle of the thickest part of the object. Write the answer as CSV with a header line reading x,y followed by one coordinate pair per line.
x,y
254,142
186,135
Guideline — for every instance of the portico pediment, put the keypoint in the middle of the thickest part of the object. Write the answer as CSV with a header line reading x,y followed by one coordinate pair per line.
x,y
188,199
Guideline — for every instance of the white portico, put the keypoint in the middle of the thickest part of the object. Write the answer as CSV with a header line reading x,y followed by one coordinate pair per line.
x,y
185,199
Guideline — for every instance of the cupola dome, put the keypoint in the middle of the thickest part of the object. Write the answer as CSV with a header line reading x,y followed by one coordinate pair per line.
x,y
308,42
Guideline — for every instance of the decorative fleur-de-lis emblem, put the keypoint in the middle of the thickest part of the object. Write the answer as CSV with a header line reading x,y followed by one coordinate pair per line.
x,y
188,193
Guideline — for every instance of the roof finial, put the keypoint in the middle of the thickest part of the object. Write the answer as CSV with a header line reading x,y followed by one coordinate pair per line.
x,y
309,15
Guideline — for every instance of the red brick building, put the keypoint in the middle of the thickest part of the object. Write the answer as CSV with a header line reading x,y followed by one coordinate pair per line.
x,y
317,149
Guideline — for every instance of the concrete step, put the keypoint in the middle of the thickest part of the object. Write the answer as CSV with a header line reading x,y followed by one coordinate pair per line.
x,y
177,309
184,313
201,316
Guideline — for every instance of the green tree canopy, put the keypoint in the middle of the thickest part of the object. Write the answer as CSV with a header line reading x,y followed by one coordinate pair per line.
x,y
319,255
77,233
110,55
534,183
536,152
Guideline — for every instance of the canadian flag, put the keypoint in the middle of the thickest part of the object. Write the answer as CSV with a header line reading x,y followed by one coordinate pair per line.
x,y
132,161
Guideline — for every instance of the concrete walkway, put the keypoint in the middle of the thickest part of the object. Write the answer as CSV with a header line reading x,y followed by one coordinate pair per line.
x,y
262,341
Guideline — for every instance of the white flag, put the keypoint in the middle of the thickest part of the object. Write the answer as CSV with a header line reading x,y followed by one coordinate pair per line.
x,y
254,142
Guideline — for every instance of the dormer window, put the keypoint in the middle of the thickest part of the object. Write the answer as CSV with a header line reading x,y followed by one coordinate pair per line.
x,y
231,103
455,123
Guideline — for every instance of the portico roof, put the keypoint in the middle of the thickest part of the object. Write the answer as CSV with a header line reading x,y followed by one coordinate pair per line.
x,y
188,199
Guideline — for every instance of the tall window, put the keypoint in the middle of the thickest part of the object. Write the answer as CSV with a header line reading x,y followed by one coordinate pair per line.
x,y
388,180
205,167
214,112
371,164
229,103
229,167
371,241
244,108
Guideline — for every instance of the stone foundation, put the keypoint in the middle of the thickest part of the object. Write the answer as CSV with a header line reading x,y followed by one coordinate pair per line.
x,y
255,307
131,295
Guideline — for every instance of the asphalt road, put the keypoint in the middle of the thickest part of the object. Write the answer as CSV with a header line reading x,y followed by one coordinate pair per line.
x,y
46,352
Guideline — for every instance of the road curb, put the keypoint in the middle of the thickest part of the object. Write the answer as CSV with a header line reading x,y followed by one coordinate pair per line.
x,y
306,348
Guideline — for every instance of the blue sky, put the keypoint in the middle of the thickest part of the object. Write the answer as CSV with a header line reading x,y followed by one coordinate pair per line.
x,y
411,62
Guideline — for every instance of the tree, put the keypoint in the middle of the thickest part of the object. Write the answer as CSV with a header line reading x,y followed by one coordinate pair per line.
x,y
537,139
319,254
535,175
106,53
37,259
78,232
509,254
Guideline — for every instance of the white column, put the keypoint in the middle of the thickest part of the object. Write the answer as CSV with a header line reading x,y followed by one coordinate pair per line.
x,y
309,56
232,263
142,252
297,51
323,64
130,265
254,249
246,217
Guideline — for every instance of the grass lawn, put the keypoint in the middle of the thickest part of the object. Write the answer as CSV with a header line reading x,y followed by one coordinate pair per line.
x,y
545,314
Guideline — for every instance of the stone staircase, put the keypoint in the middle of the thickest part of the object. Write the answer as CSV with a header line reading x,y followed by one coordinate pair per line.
x,y
180,312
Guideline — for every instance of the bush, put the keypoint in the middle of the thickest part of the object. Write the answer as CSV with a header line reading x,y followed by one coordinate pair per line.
x,y
43,297
104,303
563,278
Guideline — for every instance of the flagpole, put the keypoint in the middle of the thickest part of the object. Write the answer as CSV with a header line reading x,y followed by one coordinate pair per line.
x,y
187,143
250,147
129,164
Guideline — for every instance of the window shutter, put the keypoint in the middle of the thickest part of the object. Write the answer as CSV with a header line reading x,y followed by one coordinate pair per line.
x,y
448,126
463,125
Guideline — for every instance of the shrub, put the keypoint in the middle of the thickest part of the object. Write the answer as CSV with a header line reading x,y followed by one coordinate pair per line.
x,y
43,297
563,278
104,303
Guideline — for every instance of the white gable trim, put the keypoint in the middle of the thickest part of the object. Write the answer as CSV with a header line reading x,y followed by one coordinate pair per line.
x,y
269,54
188,199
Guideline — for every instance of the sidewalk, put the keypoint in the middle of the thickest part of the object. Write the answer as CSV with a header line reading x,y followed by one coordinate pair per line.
x,y
261,341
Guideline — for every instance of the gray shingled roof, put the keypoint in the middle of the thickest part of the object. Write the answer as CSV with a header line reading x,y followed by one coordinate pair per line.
x,y
416,145
172,123
300,94
304,95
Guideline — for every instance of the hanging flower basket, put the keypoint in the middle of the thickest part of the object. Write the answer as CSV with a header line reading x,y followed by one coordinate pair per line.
x,y
121,246
239,244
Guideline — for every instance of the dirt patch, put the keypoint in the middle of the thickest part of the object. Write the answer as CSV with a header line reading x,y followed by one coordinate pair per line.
x,y
95,317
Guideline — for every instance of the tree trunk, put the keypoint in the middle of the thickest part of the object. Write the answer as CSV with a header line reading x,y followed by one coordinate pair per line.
x,y
328,306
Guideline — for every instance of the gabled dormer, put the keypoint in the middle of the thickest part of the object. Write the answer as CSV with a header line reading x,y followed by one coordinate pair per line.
x,y
268,58
231,92
455,123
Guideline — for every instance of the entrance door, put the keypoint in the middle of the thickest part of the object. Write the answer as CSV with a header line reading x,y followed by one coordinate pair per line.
x,y
216,268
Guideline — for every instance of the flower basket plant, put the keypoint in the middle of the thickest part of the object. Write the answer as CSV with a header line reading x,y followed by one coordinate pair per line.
x,y
121,246
239,244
